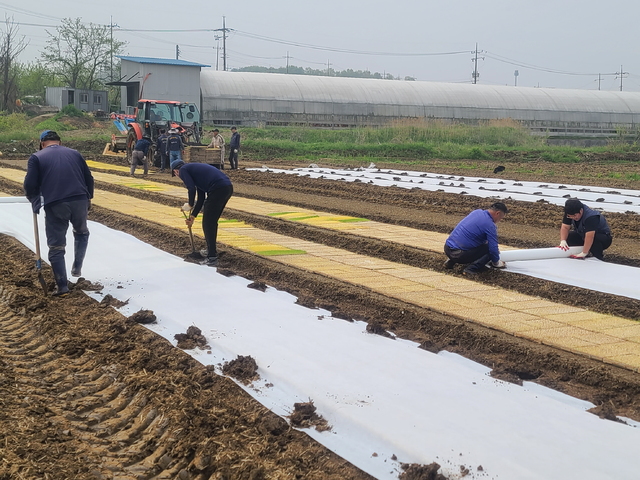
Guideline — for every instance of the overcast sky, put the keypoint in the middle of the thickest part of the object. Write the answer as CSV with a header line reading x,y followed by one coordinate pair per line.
x,y
559,43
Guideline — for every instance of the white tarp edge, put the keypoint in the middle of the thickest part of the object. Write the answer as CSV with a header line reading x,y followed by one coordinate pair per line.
x,y
381,396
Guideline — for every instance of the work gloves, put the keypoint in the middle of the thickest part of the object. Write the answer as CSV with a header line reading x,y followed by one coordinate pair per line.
x,y
563,245
498,264
579,256
186,207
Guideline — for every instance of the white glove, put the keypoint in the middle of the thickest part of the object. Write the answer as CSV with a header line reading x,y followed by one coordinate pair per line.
x,y
235,150
580,256
498,264
563,245
186,207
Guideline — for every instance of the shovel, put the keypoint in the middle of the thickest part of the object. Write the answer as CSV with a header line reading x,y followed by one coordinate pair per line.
x,y
38,259
194,254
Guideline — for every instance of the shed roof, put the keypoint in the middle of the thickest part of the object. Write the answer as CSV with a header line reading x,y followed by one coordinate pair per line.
x,y
162,61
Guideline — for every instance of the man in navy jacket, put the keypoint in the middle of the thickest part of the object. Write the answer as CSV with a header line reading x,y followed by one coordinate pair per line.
x,y
207,181
234,146
474,241
59,180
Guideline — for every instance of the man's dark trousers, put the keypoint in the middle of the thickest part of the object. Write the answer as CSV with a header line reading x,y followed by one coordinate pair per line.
x,y
601,242
477,257
212,209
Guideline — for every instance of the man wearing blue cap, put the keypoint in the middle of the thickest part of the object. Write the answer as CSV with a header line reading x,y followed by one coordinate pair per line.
x,y
214,191
58,179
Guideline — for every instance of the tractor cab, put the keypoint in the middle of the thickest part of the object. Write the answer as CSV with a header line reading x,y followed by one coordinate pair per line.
x,y
152,116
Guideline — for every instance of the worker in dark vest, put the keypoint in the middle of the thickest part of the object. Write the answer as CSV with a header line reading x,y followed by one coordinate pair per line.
x,y
161,148
175,146
139,155
590,230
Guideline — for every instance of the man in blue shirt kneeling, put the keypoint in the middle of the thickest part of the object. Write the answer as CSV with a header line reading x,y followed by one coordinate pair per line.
x,y
474,241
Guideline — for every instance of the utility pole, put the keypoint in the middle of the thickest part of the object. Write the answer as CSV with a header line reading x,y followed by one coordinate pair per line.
x,y
622,73
217,39
328,71
287,61
177,52
475,73
111,25
515,74
599,81
224,31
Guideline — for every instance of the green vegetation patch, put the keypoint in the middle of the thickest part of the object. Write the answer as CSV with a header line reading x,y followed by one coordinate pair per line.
x,y
268,253
354,219
306,217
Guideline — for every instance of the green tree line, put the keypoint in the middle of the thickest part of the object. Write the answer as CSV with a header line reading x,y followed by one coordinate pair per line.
x,y
330,72
76,55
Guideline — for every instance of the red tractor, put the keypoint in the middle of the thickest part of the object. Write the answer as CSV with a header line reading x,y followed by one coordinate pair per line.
x,y
151,116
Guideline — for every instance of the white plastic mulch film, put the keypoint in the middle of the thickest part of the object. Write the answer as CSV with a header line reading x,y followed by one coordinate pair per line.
x,y
386,400
605,199
550,264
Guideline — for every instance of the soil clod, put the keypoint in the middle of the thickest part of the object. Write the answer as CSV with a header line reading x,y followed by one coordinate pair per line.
x,y
258,286
243,368
143,316
192,339
416,471
304,416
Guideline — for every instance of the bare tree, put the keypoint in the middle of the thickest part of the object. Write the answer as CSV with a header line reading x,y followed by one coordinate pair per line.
x,y
80,54
10,48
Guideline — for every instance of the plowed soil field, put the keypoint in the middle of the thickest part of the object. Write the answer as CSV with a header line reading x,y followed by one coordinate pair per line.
x,y
87,393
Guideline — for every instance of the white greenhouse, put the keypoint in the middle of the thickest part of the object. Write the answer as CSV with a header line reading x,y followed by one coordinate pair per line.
x,y
260,99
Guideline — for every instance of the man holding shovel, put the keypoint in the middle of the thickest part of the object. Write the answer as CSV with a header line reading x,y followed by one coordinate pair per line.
x,y
59,180
214,191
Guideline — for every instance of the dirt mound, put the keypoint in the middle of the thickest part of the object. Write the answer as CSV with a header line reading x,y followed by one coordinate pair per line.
x,y
415,471
304,416
192,339
143,317
243,368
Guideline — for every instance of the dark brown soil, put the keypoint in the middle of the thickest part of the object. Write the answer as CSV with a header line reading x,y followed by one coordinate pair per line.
x,y
243,368
87,393
192,339
304,416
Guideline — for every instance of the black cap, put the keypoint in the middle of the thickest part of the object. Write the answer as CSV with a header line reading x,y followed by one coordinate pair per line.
x,y
572,206
499,206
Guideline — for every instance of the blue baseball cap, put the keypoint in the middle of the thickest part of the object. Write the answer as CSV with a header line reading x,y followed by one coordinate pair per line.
x,y
49,135
176,164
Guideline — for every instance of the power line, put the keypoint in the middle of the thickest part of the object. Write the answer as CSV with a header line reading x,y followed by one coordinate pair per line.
x,y
341,50
517,63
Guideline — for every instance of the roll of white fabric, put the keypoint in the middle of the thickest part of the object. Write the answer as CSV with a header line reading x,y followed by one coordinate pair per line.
x,y
537,254
14,200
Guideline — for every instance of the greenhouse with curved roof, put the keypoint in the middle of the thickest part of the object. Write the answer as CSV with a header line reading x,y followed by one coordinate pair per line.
x,y
262,99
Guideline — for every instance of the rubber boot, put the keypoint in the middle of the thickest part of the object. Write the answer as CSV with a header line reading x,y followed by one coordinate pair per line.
x,y
79,250
56,258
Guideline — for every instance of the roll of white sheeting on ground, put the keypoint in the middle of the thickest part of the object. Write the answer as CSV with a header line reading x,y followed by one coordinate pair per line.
x,y
537,254
14,200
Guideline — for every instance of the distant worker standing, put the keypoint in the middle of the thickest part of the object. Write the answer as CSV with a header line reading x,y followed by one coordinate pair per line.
x,y
474,241
175,146
218,142
161,148
139,154
209,182
590,230
59,179
234,146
